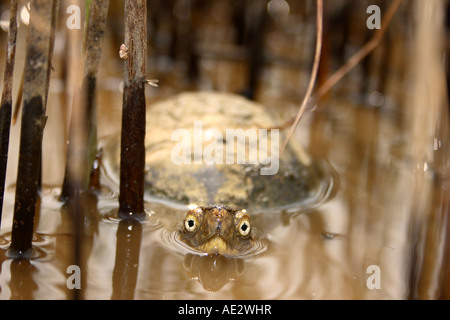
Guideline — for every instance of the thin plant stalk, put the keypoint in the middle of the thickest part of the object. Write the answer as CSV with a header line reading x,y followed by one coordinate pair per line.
x,y
361,54
86,126
83,131
344,70
312,80
6,103
132,155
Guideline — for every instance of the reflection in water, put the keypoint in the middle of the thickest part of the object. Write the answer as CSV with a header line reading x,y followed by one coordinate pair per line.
x,y
213,271
22,284
129,235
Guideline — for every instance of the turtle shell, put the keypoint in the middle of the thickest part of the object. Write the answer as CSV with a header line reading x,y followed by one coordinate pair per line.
x,y
209,148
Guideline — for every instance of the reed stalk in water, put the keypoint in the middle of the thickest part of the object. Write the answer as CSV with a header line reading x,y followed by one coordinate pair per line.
x,y
37,74
426,123
132,155
6,103
83,134
83,129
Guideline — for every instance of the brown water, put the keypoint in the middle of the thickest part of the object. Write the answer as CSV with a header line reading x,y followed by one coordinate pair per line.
x,y
388,211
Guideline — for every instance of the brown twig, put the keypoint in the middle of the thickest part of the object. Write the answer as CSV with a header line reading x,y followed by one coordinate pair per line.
x,y
361,54
312,80
349,65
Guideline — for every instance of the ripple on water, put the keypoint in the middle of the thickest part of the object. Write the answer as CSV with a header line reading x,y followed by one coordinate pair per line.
x,y
39,250
326,189
36,253
4,243
110,215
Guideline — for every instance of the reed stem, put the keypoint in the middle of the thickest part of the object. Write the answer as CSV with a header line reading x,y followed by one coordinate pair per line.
x,y
37,74
132,164
83,128
6,103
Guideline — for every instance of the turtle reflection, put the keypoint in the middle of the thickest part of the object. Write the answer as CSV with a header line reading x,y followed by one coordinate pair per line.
x,y
213,271
223,234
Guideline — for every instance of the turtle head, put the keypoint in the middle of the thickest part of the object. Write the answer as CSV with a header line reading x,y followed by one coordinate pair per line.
x,y
217,230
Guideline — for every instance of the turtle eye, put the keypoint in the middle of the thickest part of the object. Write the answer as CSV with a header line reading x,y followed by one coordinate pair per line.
x,y
191,223
244,227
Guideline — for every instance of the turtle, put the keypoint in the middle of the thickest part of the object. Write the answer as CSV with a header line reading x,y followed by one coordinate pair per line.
x,y
218,153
